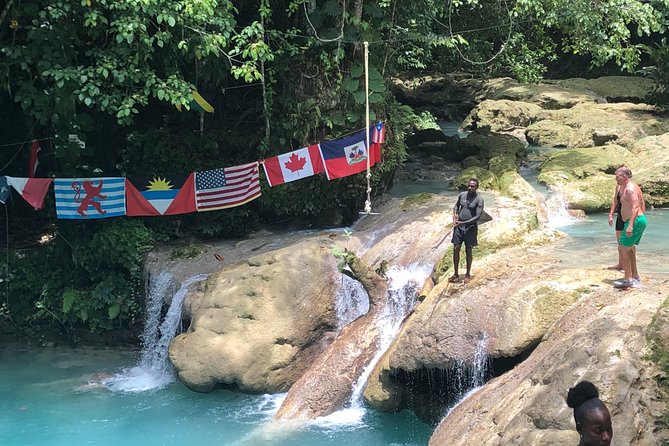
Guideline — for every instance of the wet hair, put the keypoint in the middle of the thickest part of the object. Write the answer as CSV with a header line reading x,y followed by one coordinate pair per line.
x,y
474,180
624,170
583,398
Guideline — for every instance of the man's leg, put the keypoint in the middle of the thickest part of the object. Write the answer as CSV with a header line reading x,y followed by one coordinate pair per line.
x,y
633,269
456,261
469,257
627,262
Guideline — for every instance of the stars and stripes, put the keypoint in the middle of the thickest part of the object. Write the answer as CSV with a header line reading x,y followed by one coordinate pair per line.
x,y
226,187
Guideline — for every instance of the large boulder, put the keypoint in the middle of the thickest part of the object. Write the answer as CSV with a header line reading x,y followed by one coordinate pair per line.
x,y
259,323
613,88
546,96
502,116
602,338
589,125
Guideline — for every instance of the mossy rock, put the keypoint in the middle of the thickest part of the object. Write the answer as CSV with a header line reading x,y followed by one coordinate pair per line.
x,y
549,133
472,161
500,164
416,200
487,179
581,163
513,185
491,144
614,88
502,115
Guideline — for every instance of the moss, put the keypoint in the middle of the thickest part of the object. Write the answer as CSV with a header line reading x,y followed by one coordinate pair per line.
x,y
416,200
187,252
487,179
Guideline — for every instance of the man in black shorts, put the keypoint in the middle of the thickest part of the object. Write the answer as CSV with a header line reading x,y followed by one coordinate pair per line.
x,y
466,214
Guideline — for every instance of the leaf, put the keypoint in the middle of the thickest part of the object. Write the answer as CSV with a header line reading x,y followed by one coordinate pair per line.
x,y
357,70
295,163
359,97
69,297
114,311
351,85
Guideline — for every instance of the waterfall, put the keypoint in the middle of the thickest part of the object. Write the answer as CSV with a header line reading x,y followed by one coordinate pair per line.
x,y
558,213
153,370
471,376
351,301
404,285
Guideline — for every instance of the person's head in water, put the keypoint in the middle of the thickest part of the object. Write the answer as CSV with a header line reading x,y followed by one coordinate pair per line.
x,y
472,185
593,421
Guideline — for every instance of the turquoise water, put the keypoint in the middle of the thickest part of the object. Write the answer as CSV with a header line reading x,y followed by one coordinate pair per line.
x,y
45,399
591,242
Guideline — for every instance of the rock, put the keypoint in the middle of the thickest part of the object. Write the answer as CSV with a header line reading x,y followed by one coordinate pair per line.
x,y
548,133
602,338
545,95
258,325
487,179
613,88
502,115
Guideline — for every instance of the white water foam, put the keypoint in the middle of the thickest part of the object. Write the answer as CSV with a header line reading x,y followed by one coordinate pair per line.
x,y
403,287
153,370
558,213
351,301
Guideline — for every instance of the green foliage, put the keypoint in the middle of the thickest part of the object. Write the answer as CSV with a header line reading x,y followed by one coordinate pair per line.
x,y
659,72
187,252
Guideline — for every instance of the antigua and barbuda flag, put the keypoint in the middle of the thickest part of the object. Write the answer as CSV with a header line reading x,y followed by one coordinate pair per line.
x,y
87,198
347,156
160,195
295,165
33,190
378,133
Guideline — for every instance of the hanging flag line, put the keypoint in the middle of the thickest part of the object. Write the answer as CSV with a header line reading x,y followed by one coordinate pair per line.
x,y
222,188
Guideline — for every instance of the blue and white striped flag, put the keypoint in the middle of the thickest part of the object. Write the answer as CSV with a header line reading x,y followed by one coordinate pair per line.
x,y
86,198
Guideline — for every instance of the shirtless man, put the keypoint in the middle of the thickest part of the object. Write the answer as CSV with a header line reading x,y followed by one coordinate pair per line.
x,y
632,211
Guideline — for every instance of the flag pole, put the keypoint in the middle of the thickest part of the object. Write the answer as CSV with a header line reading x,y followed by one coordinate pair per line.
x,y
368,202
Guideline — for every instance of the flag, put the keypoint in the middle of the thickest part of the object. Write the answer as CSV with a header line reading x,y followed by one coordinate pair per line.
x,y
86,198
293,166
160,195
4,190
378,133
198,103
33,190
33,162
347,156
226,188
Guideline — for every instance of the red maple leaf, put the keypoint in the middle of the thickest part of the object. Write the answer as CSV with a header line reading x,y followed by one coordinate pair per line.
x,y
295,163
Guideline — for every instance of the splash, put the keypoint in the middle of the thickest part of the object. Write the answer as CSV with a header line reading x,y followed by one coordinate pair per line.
x,y
351,301
558,213
153,370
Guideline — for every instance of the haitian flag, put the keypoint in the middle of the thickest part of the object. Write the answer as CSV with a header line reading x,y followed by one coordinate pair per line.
x,y
33,190
347,156
86,198
160,196
293,165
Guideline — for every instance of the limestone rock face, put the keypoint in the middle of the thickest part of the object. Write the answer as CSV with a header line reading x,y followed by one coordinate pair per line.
x,y
502,115
259,323
602,338
613,88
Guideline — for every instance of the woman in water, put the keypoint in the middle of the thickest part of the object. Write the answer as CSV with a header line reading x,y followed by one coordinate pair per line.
x,y
615,210
593,421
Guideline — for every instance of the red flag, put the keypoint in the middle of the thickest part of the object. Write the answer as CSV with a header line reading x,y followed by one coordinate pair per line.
x,y
294,165
160,196
226,188
34,161
33,190
348,156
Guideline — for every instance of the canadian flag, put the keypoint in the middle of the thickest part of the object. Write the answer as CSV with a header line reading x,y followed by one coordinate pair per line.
x,y
293,165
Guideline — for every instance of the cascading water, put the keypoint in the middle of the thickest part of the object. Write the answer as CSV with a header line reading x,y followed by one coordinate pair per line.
x,y
351,301
153,370
404,285
471,376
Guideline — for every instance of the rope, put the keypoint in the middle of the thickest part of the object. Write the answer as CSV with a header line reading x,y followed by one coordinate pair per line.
x,y
341,32
368,202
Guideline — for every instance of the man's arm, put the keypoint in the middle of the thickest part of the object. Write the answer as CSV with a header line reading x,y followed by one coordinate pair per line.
x,y
613,206
634,202
477,215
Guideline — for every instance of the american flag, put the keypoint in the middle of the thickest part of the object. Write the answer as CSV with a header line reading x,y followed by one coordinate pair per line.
x,y
226,187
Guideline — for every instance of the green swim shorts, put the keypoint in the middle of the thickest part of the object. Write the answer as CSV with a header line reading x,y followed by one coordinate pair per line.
x,y
639,226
